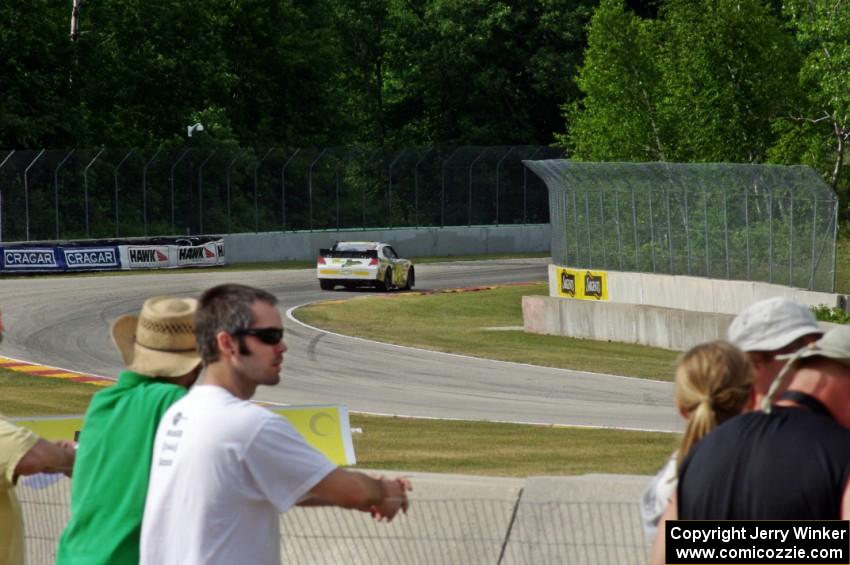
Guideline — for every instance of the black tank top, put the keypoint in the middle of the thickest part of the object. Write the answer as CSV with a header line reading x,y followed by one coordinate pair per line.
x,y
790,464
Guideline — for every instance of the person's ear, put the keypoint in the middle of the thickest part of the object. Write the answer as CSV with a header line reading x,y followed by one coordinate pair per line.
x,y
226,343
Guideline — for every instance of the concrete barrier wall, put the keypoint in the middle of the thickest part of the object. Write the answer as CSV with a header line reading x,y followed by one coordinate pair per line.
x,y
408,242
657,326
695,293
669,311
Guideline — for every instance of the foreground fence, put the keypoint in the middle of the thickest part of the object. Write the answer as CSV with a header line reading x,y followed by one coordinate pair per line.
x,y
98,193
765,223
489,531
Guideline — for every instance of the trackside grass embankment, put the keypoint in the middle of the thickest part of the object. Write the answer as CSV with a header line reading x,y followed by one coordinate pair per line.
x,y
484,323
404,444
25,395
507,450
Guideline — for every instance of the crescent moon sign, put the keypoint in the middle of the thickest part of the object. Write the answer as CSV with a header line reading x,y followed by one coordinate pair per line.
x,y
314,423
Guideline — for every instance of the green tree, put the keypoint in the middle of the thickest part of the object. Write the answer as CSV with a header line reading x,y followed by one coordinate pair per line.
x,y
282,69
363,29
266,71
144,67
618,118
699,83
727,67
481,72
817,129
35,88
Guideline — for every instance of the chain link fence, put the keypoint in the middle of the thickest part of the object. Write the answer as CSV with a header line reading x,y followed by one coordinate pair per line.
x,y
765,223
98,193
485,531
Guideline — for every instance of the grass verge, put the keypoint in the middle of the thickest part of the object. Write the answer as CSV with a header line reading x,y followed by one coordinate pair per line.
x,y
405,444
473,323
506,450
25,395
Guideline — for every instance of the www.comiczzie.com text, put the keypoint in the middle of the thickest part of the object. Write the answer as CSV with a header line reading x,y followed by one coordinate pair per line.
x,y
821,542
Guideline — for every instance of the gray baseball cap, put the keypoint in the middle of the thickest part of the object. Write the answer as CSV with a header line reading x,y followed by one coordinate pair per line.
x,y
771,324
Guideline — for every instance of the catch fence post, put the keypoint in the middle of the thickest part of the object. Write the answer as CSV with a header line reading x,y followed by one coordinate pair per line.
x,y
283,189
56,189
171,181
310,184
201,193
747,232
6,158
86,190
769,234
469,206
145,190
416,185
227,188
27,191
525,187
256,200
390,187
443,189
791,244
498,165
726,232
115,176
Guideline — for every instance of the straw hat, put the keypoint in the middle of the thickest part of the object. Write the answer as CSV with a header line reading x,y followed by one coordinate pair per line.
x,y
160,341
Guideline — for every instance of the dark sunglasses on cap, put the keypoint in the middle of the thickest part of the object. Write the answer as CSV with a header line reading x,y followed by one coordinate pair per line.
x,y
269,336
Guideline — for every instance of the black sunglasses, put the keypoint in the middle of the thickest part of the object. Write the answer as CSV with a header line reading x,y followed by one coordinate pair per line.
x,y
269,336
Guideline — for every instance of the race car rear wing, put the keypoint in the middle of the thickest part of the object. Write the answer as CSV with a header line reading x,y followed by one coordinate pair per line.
x,y
369,254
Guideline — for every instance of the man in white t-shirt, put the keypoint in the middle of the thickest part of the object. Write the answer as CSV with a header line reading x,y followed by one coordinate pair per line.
x,y
224,468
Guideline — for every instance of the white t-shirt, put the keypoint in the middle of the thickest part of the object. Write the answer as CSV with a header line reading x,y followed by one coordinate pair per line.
x,y
656,497
222,470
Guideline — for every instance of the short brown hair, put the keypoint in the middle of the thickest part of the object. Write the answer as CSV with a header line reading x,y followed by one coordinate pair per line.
x,y
227,308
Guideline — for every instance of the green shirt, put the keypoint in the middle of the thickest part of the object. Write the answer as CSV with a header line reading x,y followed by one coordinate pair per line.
x,y
110,480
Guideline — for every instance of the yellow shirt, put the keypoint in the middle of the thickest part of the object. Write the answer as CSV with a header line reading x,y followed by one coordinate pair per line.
x,y
15,442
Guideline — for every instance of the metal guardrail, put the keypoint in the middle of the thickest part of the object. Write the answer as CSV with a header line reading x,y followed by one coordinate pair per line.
x,y
101,193
506,531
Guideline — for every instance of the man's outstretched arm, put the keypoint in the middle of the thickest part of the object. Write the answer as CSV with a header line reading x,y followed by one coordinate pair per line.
x,y
351,489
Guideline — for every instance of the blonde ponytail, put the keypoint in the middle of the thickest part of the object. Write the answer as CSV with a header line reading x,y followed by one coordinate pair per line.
x,y
713,383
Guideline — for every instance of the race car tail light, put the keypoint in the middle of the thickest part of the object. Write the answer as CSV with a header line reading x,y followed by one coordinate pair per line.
x,y
374,261
321,260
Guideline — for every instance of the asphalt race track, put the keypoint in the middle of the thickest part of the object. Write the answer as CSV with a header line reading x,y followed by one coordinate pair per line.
x,y
64,322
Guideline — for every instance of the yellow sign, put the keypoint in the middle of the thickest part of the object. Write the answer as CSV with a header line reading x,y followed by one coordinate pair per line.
x,y
584,285
326,428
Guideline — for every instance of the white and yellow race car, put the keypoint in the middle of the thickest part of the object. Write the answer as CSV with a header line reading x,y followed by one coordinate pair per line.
x,y
364,263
